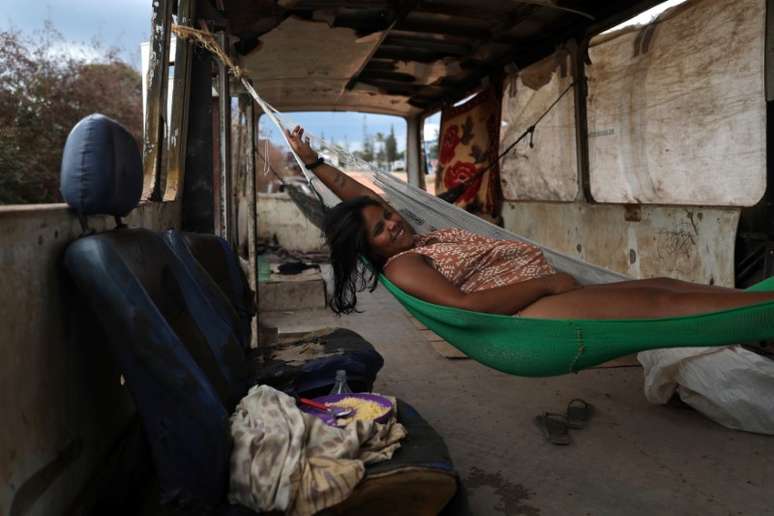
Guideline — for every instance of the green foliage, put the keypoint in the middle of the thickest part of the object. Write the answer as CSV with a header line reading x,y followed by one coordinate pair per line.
x,y
43,93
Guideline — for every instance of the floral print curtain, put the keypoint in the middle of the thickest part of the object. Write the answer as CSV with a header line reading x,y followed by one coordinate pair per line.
x,y
469,143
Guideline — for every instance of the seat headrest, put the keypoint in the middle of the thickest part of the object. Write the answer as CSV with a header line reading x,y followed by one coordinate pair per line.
x,y
101,168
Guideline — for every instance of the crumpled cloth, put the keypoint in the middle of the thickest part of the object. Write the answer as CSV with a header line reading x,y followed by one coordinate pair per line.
x,y
284,459
730,385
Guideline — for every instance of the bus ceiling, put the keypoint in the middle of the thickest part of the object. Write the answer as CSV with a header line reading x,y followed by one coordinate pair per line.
x,y
396,57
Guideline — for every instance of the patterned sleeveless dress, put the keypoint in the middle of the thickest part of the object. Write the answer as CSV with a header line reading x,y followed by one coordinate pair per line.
x,y
474,262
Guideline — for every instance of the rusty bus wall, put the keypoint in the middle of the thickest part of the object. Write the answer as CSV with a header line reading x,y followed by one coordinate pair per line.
x,y
690,243
677,110
154,147
246,202
181,94
547,171
541,184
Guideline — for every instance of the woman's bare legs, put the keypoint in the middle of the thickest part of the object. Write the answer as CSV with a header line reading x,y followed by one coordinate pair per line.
x,y
641,299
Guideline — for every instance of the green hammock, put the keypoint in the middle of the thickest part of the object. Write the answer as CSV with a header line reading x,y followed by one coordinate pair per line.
x,y
537,347
547,347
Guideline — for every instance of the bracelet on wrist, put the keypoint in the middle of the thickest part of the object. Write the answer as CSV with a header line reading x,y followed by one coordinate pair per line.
x,y
311,166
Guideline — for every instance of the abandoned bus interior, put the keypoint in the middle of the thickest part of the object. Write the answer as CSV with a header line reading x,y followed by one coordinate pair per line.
x,y
163,325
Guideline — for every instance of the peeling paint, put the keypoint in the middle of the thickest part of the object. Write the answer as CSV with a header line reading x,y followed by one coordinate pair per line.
x,y
294,73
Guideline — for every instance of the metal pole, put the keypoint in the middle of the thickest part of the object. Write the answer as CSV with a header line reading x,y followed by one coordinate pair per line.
x,y
181,94
252,212
226,229
155,111
414,168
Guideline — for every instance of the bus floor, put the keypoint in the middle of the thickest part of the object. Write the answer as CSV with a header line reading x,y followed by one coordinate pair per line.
x,y
633,457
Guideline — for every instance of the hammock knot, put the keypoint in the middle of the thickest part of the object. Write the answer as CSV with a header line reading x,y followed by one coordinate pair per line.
x,y
580,342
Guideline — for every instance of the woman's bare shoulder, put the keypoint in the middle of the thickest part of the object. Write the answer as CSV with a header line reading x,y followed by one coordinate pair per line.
x,y
406,263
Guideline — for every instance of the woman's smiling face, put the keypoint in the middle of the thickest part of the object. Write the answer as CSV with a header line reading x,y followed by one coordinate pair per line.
x,y
388,233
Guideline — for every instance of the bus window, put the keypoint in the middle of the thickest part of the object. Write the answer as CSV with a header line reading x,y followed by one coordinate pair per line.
x,y
676,109
546,170
354,142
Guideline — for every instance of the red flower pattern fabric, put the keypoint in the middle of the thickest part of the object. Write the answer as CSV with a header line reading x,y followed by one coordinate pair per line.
x,y
459,173
470,137
450,140
474,262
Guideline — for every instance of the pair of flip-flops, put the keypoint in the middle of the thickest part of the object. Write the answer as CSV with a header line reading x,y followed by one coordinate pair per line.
x,y
556,427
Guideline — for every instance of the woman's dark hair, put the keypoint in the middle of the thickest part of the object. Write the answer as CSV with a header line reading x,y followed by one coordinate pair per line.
x,y
346,234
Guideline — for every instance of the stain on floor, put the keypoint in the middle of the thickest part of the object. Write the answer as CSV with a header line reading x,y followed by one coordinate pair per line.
x,y
512,497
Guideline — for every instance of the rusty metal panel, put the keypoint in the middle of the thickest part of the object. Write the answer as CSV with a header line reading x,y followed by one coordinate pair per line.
x,y
181,94
227,226
155,114
676,109
689,243
549,170
252,214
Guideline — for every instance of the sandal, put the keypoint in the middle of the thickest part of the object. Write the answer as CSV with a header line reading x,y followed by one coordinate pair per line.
x,y
578,413
554,427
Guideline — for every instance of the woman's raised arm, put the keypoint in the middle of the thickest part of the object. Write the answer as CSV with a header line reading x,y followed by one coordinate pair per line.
x,y
340,183
414,275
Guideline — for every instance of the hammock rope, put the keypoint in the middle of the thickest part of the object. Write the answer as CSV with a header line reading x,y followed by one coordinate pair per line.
x,y
518,345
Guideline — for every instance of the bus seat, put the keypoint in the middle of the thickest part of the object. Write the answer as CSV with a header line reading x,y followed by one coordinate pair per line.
x,y
292,366
216,257
219,259
163,340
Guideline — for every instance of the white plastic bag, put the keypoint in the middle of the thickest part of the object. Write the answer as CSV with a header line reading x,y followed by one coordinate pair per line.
x,y
730,385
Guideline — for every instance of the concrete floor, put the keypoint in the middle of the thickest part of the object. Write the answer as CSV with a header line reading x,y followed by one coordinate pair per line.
x,y
633,458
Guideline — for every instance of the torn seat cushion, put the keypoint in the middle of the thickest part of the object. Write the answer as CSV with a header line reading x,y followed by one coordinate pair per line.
x,y
308,366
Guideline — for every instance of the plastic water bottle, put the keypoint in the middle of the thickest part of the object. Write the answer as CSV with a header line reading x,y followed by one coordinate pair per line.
x,y
341,387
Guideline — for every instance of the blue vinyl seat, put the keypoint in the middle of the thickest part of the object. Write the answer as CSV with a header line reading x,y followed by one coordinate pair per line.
x,y
168,342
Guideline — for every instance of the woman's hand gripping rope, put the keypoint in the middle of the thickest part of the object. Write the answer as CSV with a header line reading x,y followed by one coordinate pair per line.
x,y
301,145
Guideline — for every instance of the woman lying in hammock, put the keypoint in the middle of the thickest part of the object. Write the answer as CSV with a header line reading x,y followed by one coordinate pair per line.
x,y
456,268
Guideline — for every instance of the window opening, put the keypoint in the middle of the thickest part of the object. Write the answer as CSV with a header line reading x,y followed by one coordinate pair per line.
x,y
350,141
